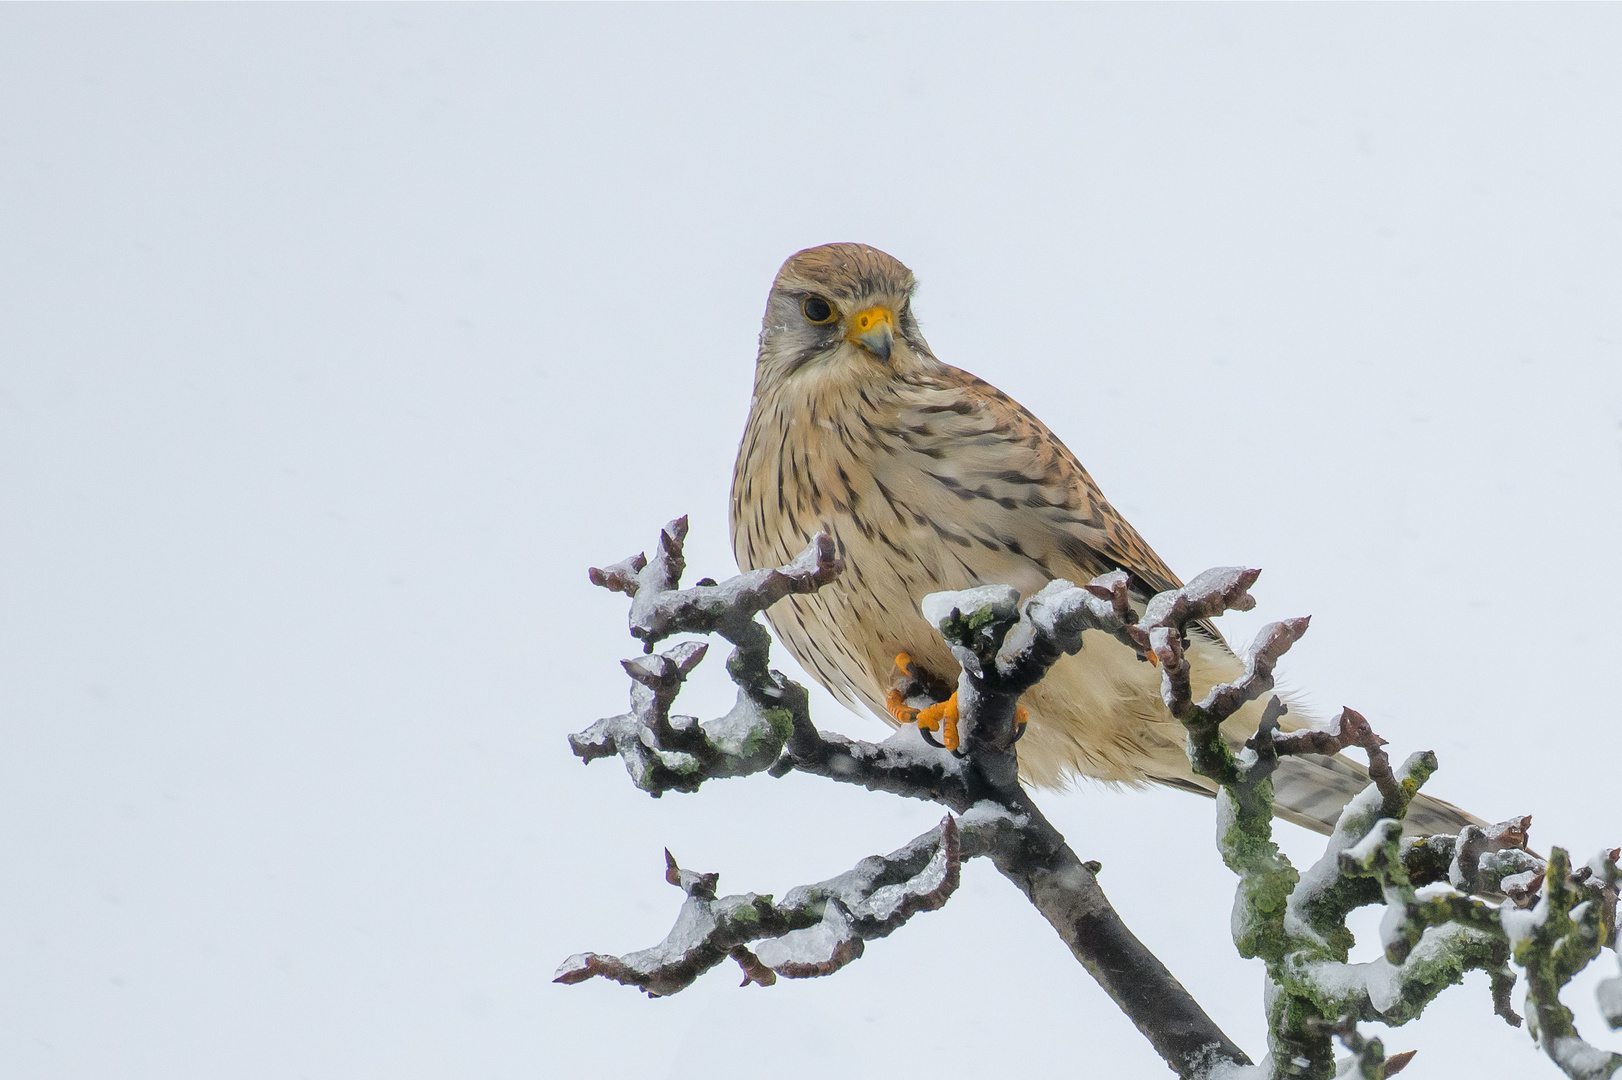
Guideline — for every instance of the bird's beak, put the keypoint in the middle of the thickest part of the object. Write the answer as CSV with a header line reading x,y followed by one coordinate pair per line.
x,y
873,330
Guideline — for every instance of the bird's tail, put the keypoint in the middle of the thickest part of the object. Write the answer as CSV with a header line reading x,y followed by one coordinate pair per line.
x,y
1311,790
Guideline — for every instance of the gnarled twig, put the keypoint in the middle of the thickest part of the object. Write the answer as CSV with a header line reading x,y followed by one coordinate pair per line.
x,y
1555,920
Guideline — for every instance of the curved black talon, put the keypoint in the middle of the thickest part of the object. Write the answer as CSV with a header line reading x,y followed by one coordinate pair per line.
x,y
1019,732
930,739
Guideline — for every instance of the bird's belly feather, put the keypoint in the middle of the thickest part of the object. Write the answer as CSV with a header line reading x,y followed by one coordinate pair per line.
x,y
1097,714
904,533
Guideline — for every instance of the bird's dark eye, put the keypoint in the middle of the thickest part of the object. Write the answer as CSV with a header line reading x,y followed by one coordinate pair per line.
x,y
817,310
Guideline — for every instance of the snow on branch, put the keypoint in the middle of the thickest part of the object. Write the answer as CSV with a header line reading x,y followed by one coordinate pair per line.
x,y
663,752
770,725
659,609
1296,922
1488,902
815,930
1005,647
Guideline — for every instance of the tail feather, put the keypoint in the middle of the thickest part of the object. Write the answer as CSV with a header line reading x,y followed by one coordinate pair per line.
x,y
1311,791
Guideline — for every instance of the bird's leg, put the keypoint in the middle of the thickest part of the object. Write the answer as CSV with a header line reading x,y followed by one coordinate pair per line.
x,y
897,706
905,680
916,697
943,716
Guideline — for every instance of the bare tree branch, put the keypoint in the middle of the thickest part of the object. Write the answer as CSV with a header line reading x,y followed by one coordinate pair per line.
x,y
997,818
1556,919
815,930
1297,922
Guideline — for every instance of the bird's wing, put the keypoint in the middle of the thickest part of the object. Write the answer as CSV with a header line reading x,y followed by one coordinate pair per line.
x,y
1020,485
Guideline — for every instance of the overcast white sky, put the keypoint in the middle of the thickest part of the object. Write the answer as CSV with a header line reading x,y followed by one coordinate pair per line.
x,y
336,342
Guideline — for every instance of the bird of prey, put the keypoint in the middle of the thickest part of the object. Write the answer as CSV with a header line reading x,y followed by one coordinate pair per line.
x,y
929,479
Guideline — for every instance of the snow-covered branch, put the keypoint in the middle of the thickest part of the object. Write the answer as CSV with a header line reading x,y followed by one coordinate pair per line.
x,y
1551,921
815,929
770,725
1297,922
659,608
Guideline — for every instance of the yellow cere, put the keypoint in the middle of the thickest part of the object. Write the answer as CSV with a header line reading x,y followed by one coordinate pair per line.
x,y
863,321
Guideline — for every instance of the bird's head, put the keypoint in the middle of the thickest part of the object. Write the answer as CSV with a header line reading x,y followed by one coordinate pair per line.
x,y
842,311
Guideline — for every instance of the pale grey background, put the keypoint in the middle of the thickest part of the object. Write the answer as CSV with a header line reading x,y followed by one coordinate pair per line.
x,y
335,343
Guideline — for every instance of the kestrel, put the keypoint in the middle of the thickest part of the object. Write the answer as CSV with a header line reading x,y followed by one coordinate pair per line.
x,y
930,479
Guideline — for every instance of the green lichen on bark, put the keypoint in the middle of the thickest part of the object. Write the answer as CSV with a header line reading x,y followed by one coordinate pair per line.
x,y
1266,878
1296,923
1554,941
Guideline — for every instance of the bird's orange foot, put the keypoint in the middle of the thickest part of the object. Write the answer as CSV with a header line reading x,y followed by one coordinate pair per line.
x,y
913,685
944,717
895,702
1022,716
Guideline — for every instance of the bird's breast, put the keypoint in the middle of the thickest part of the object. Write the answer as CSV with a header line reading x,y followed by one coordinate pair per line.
x,y
843,464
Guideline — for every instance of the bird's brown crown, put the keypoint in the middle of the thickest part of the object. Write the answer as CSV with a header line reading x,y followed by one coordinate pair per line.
x,y
846,271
